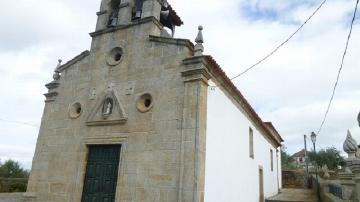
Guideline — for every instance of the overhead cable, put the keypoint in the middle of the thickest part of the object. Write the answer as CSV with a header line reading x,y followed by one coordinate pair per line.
x,y
340,70
282,44
20,123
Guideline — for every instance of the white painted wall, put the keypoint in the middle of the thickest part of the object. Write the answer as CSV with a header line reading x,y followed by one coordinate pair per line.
x,y
231,175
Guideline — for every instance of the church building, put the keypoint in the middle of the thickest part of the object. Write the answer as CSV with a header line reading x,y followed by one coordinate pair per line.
x,y
136,119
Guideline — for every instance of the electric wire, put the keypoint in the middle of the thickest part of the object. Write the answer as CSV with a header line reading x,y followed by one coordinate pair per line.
x,y
20,123
282,44
339,72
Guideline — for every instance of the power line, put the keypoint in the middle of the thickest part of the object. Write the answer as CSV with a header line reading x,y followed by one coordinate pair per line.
x,y
20,123
340,70
282,44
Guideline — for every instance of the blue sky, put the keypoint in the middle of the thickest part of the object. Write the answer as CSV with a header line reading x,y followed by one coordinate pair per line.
x,y
268,11
291,89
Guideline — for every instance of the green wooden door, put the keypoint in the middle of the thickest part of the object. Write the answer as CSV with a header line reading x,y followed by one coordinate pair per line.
x,y
101,174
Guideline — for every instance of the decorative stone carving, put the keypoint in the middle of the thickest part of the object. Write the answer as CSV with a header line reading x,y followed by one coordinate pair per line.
x,y
56,75
349,177
350,145
51,94
129,89
199,48
93,94
108,110
107,107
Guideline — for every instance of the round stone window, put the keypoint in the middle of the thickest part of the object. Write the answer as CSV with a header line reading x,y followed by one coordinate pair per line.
x,y
75,110
144,103
114,57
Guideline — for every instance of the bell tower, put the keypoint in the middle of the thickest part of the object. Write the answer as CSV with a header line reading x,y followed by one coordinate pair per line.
x,y
115,13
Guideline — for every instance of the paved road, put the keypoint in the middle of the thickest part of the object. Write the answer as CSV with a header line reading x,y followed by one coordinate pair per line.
x,y
294,195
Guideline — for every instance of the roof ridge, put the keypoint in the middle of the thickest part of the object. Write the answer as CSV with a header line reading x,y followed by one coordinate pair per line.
x,y
249,109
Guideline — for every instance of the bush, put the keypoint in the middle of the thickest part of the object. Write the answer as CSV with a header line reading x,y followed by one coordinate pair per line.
x,y
330,157
287,162
13,178
12,169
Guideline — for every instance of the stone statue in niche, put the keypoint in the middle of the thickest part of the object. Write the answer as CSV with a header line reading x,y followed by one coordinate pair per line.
x,y
107,107
113,19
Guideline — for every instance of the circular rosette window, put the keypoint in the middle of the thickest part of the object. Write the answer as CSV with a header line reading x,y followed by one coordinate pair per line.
x,y
114,57
144,103
75,110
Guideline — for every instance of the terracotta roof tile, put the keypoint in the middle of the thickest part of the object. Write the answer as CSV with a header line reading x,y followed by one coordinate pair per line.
x,y
175,17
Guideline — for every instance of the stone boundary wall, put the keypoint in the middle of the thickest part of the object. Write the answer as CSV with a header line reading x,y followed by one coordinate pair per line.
x,y
293,179
12,197
325,195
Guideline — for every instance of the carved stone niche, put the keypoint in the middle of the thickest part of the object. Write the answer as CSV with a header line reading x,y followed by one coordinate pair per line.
x,y
108,110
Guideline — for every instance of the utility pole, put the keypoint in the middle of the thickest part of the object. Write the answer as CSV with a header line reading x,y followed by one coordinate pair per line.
x,y
313,139
306,164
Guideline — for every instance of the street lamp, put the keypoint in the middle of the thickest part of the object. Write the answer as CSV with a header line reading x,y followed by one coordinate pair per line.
x,y
313,139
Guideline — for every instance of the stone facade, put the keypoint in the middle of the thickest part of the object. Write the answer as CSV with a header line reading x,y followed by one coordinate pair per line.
x,y
163,147
139,88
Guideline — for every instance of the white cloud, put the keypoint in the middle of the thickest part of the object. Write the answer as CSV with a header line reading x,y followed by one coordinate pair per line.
x,y
291,88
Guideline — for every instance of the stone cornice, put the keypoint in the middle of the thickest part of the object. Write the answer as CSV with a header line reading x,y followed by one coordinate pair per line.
x,y
73,61
133,23
52,85
179,42
195,60
50,97
101,12
195,70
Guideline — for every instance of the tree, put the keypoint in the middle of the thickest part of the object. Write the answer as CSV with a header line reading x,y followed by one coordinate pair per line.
x,y
330,157
287,162
12,169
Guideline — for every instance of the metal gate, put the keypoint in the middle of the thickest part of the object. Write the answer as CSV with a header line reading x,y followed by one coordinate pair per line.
x,y
101,173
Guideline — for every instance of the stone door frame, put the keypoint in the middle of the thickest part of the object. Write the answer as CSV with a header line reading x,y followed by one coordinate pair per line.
x,y
109,140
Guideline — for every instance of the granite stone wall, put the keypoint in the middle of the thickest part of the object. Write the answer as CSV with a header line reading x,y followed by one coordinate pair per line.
x,y
163,145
